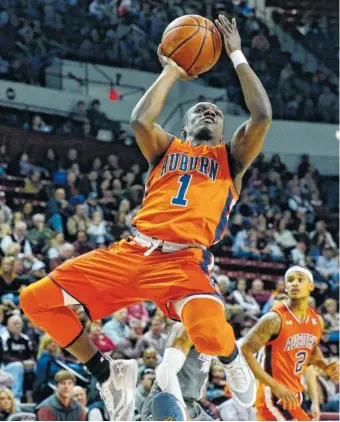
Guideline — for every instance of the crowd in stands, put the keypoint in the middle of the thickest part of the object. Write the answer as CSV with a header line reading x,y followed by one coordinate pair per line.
x,y
71,207
84,121
126,33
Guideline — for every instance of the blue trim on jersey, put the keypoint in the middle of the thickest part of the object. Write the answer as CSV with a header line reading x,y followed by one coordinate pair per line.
x,y
206,261
224,218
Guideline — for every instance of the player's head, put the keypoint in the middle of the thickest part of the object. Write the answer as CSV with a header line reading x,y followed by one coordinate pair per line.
x,y
299,283
204,122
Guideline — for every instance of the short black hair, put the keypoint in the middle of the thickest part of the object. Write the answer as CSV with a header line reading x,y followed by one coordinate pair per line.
x,y
147,371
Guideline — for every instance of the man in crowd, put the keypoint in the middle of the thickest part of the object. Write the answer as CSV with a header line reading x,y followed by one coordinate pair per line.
x,y
60,406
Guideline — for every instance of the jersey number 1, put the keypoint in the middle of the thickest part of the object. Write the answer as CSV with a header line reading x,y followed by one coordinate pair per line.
x,y
180,198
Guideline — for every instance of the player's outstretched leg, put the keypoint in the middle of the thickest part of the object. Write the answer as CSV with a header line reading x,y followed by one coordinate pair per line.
x,y
43,303
204,319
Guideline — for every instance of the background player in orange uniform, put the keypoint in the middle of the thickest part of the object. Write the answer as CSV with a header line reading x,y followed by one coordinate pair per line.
x,y
290,333
190,190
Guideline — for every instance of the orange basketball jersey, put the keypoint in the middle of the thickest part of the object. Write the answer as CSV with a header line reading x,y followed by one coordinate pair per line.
x,y
287,356
188,195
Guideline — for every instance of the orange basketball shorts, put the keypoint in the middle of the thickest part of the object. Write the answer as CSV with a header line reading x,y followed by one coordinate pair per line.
x,y
104,281
269,408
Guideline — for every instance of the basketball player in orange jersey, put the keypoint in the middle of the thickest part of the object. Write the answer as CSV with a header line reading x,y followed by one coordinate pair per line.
x,y
190,190
290,333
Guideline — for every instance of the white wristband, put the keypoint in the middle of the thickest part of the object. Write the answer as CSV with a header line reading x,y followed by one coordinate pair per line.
x,y
237,57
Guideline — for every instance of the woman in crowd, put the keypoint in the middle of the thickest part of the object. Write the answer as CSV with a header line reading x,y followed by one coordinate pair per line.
x,y
49,354
101,340
8,406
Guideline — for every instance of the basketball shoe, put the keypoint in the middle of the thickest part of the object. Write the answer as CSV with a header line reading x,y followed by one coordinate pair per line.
x,y
118,391
241,381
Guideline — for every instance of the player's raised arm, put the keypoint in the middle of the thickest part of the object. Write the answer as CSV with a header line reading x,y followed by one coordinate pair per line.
x,y
249,137
267,327
151,138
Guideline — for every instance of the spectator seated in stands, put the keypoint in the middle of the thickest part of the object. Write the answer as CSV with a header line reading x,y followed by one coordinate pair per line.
x,y
3,328
332,320
216,391
82,244
5,211
328,267
257,291
101,340
98,230
247,302
10,281
39,125
8,406
18,354
299,254
138,312
39,234
245,245
280,288
58,210
79,221
320,237
149,359
146,381
48,358
61,405
95,411
65,252
19,236
155,337
127,346
117,328
91,205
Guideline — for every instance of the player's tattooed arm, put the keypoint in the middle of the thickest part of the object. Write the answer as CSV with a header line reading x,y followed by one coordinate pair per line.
x,y
179,338
267,327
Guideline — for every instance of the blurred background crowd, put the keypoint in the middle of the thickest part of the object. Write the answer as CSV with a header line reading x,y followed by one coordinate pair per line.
x,y
62,195
55,208
126,33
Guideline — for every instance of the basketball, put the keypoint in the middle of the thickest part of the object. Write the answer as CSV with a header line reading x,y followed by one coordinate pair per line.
x,y
193,42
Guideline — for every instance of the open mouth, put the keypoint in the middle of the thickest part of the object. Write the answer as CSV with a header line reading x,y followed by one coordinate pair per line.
x,y
208,119
295,291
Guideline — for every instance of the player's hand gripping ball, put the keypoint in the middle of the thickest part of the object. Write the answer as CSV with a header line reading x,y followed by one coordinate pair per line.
x,y
193,42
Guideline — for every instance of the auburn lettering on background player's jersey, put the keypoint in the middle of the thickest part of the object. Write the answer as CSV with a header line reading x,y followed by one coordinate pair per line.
x,y
188,195
287,355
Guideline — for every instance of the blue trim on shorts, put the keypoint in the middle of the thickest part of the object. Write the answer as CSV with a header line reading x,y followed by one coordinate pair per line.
x,y
206,262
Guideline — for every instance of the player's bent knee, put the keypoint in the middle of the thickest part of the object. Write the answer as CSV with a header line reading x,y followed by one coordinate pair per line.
x,y
41,297
28,300
206,340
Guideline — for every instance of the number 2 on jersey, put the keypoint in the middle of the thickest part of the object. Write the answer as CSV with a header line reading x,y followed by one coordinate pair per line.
x,y
301,359
180,198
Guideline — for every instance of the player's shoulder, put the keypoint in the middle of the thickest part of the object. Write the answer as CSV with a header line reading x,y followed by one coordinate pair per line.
x,y
280,309
271,322
316,317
